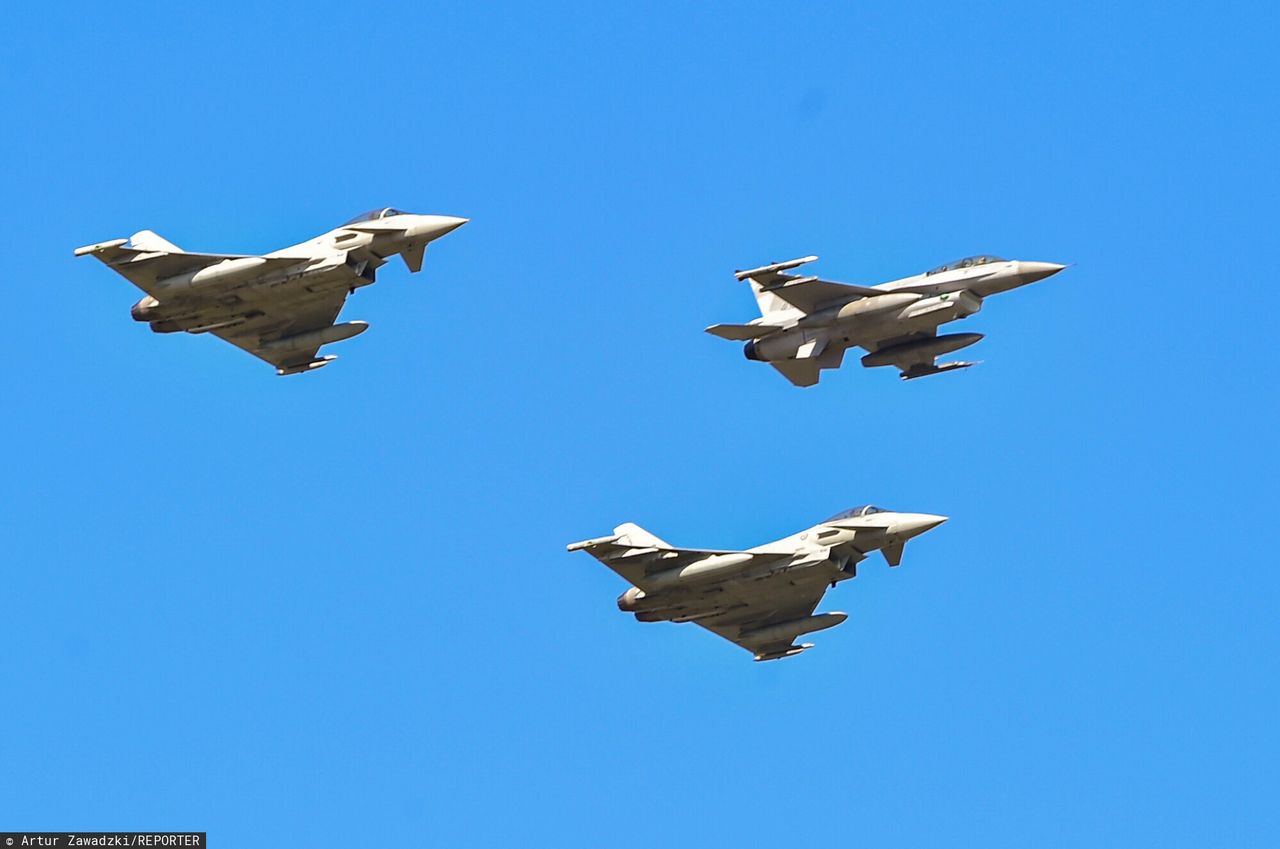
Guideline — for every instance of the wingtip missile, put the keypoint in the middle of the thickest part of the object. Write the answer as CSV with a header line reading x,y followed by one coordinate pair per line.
x,y
101,246
774,268
590,543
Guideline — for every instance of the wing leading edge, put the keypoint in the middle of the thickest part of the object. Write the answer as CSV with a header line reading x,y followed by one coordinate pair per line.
x,y
807,294
145,259
647,562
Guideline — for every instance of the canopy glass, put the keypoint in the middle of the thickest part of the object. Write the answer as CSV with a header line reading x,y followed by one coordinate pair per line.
x,y
967,262
854,513
374,215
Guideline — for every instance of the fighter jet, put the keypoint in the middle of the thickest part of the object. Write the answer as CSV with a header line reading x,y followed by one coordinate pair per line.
x,y
763,598
806,323
280,307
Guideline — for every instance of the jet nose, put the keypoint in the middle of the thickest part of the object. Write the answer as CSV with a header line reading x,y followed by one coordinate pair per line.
x,y
434,226
1030,272
913,524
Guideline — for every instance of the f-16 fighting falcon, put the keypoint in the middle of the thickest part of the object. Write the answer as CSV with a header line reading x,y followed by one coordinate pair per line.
x,y
762,598
280,307
806,323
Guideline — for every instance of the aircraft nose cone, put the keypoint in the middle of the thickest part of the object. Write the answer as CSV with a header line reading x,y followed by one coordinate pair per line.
x,y
914,524
1030,272
435,226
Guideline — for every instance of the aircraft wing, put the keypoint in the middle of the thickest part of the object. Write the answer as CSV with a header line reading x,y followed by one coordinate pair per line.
x,y
637,557
283,317
810,294
807,294
146,258
763,604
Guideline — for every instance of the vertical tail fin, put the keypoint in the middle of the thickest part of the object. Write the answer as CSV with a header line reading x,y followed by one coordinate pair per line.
x,y
148,240
768,302
631,534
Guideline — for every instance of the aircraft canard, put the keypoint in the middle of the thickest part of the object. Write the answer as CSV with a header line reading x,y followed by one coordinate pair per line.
x,y
280,307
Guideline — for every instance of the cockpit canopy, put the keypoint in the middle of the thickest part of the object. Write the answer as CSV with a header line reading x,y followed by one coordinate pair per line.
x,y
854,513
375,214
967,262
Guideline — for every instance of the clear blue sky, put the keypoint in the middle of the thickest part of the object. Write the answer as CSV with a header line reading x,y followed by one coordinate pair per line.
x,y
337,607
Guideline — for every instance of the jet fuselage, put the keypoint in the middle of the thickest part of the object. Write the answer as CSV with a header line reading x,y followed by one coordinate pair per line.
x,y
806,324
826,553
345,258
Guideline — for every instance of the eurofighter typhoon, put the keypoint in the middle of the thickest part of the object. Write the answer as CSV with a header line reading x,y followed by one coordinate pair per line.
x,y
280,307
763,598
806,323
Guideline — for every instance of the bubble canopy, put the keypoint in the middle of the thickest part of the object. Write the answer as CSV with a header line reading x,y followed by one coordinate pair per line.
x,y
375,214
854,513
967,262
